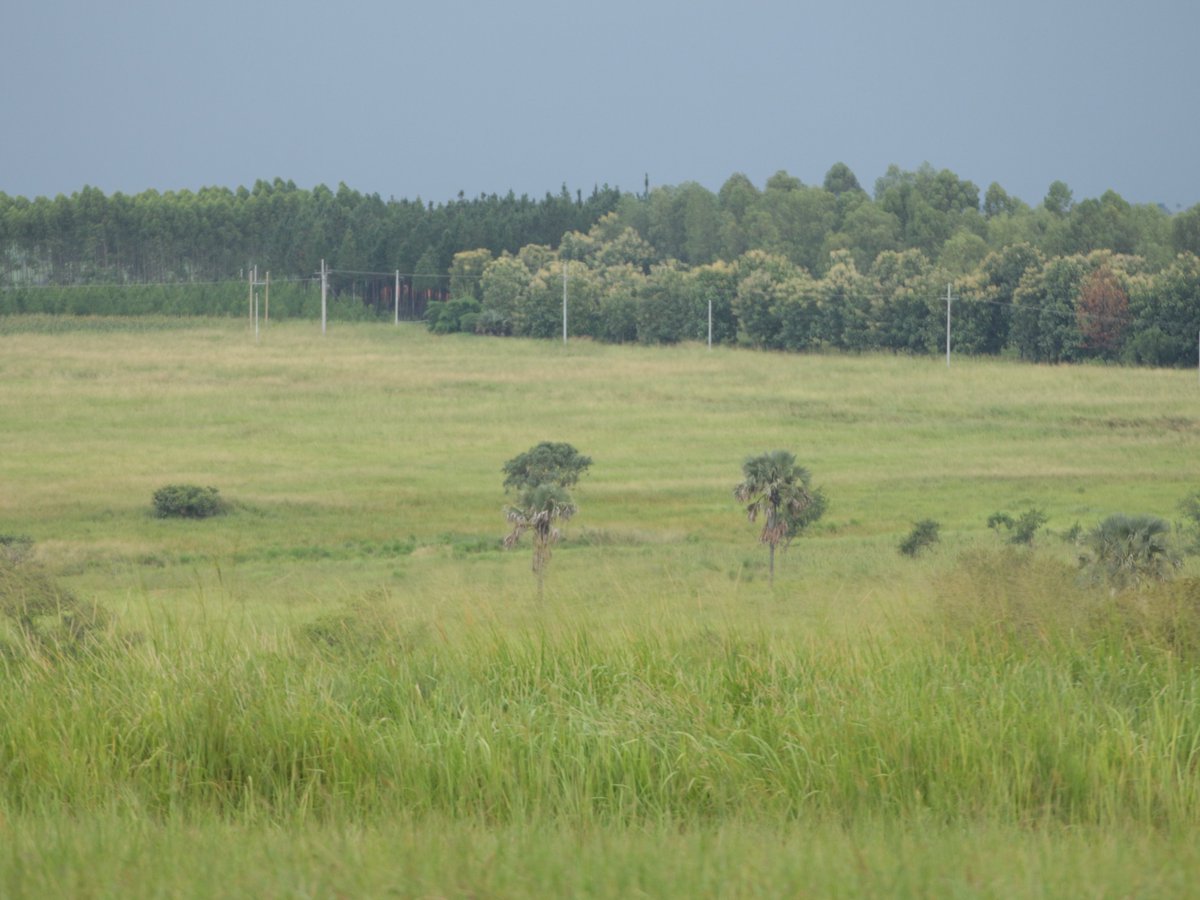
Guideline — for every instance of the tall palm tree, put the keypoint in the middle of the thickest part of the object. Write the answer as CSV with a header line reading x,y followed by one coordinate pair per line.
x,y
779,491
540,507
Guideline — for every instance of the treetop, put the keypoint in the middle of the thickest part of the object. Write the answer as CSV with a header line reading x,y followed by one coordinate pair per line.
x,y
550,462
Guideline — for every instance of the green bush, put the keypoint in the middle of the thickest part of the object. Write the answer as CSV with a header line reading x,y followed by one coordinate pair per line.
x,y
187,501
1150,347
1190,530
924,534
489,321
453,316
1021,530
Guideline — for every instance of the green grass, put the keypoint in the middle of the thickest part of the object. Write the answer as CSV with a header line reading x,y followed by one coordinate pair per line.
x,y
343,686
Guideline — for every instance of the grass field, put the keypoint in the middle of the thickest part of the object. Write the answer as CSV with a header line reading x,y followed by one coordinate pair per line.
x,y
345,687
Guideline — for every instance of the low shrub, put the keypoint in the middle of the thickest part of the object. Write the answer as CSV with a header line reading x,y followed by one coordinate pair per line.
x,y
1189,506
489,321
923,535
187,501
453,316
1019,531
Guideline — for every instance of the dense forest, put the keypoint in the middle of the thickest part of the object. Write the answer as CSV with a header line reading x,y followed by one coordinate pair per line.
x,y
785,266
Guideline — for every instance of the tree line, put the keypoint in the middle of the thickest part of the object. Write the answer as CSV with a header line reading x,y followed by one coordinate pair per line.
x,y
1095,305
216,234
786,266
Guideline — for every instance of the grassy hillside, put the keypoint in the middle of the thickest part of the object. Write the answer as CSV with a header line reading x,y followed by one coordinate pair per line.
x,y
344,685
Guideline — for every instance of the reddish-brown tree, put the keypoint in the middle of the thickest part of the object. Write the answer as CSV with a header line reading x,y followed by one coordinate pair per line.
x,y
1102,311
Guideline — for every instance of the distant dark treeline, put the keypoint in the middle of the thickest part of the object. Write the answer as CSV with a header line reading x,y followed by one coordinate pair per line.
x,y
216,234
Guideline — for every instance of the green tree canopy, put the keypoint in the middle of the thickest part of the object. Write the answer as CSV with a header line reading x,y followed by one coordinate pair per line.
x,y
550,462
840,180
1058,199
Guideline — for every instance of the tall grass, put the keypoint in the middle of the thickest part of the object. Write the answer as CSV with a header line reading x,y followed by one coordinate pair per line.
x,y
363,719
114,857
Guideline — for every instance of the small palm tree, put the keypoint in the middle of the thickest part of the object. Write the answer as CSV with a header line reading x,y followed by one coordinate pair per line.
x,y
779,491
540,507
540,477
1130,550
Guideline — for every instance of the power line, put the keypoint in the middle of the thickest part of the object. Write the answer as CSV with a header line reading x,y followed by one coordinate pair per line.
x,y
392,274
130,285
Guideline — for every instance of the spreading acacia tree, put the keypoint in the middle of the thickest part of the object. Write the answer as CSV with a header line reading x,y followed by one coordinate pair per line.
x,y
539,479
779,492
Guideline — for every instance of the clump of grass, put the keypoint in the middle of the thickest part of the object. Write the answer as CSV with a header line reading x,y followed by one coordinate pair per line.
x,y
1013,601
366,628
1163,616
15,548
1006,594
38,617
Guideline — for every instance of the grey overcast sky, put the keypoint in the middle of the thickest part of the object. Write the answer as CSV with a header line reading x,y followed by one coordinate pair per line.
x,y
428,99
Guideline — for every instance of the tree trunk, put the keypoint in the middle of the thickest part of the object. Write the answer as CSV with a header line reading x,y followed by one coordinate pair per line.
x,y
772,564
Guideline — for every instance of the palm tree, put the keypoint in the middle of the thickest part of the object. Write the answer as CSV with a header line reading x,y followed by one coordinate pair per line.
x,y
539,509
779,491
1130,550
540,477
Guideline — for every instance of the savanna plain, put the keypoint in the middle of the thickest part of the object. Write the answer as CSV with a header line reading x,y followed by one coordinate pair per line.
x,y
345,686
